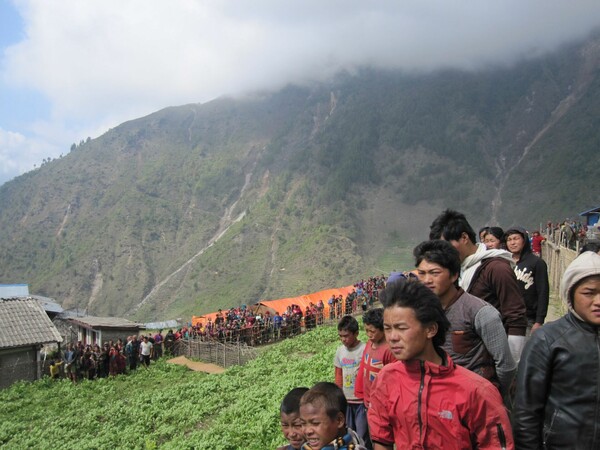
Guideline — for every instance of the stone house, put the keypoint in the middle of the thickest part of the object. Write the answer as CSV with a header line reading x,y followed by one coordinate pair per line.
x,y
24,329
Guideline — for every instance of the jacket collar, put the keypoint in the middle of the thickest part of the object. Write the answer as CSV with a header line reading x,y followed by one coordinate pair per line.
x,y
432,369
574,318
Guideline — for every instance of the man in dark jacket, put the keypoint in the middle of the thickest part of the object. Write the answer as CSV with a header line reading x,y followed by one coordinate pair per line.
x,y
558,391
532,274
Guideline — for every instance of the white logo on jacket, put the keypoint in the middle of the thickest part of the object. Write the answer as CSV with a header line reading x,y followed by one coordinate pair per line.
x,y
524,276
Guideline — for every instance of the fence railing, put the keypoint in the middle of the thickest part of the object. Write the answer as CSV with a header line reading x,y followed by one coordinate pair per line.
x,y
239,347
214,352
558,255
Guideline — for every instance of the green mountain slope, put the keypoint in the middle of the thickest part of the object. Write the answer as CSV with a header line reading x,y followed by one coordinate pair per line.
x,y
206,206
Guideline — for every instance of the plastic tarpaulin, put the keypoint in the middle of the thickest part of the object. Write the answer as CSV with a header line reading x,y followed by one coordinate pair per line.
x,y
281,304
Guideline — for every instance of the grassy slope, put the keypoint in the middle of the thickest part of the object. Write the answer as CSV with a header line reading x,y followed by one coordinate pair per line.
x,y
168,406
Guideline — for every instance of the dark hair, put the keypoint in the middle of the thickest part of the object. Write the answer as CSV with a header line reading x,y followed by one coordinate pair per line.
x,y
498,233
291,402
438,252
329,395
348,323
426,305
374,317
450,225
590,247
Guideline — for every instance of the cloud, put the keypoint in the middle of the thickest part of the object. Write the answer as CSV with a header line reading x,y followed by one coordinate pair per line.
x,y
107,61
95,57
19,154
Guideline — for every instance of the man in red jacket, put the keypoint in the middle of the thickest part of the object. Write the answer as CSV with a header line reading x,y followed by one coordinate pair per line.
x,y
424,400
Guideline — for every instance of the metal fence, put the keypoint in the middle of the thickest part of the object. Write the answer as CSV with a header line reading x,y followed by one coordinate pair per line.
x,y
240,347
557,255
214,352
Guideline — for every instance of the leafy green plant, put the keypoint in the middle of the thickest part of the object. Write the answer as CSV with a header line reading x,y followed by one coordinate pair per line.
x,y
168,406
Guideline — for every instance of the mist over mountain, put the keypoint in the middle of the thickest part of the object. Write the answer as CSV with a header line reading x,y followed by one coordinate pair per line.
x,y
275,194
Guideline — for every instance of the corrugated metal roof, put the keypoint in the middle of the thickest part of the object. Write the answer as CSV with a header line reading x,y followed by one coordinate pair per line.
x,y
105,322
162,325
48,304
23,322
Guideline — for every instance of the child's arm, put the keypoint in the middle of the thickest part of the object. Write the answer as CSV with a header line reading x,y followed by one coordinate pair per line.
x,y
359,383
339,378
359,391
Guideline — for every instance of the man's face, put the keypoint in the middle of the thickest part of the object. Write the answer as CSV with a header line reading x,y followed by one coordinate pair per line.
x,y
515,243
407,337
374,334
291,427
348,338
436,278
319,429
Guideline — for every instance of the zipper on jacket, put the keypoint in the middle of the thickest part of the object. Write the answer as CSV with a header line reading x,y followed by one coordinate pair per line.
x,y
419,400
501,436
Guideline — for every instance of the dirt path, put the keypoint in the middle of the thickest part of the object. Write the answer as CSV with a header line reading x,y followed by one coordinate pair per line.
x,y
197,366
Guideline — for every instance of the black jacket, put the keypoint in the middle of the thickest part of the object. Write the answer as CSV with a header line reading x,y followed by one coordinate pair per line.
x,y
557,404
532,274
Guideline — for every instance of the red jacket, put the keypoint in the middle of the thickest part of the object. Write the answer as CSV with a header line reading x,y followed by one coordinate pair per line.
x,y
418,404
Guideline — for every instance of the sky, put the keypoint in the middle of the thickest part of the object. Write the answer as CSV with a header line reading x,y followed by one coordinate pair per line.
x,y
72,69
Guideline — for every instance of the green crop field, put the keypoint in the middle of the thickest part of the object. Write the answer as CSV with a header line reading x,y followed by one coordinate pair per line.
x,y
168,406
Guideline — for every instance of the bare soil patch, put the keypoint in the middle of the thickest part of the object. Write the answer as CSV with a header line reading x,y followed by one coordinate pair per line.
x,y
196,365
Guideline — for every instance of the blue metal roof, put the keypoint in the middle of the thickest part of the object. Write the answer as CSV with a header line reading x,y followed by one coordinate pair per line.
x,y
593,210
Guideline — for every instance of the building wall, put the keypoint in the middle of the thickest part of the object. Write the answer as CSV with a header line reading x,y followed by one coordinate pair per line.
x,y
115,334
18,364
103,335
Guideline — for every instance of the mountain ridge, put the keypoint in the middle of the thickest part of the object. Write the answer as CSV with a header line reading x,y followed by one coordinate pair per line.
x,y
207,206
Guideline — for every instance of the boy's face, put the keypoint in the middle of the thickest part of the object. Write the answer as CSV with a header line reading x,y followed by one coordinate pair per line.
x,y
374,334
348,338
319,429
291,427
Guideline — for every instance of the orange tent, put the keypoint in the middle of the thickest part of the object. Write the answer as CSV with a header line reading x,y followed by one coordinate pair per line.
x,y
281,304
305,300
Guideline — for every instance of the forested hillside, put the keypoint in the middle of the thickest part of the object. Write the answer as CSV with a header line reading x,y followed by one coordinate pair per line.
x,y
204,206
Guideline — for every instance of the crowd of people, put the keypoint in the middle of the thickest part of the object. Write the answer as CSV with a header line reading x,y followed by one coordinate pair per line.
x,y
81,361
474,363
256,326
237,325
